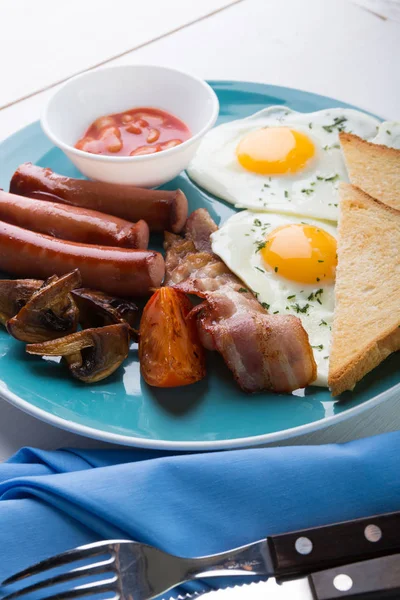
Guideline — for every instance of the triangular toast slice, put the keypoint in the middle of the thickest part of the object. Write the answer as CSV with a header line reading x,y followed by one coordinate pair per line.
x,y
366,326
373,168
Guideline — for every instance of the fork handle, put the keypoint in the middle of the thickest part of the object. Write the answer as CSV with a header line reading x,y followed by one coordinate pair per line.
x,y
302,552
253,559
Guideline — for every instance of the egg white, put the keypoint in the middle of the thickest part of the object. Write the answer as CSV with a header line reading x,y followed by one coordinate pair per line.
x,y
312,191
388,134
236,244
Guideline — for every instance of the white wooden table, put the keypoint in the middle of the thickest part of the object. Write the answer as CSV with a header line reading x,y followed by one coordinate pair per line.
x,y
341,48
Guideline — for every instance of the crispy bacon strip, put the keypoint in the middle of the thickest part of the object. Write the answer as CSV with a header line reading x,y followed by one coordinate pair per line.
x,y
263,351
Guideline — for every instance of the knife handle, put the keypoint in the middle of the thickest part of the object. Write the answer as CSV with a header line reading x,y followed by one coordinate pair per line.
x,y
377,578
302,552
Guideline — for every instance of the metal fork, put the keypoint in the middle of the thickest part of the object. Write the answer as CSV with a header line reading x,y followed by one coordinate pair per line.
x,y
127,570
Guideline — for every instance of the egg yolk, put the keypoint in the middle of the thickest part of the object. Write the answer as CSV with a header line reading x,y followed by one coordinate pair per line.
x,y
302,253
275,150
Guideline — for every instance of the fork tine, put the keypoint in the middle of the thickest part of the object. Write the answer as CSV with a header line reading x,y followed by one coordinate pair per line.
x,y
63,559
86,571
108,585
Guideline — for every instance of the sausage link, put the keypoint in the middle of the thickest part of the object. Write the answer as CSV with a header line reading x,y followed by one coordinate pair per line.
x,y
72,223
161,209
116,271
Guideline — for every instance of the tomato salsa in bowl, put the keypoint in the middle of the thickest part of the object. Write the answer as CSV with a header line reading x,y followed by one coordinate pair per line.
x,y
131,124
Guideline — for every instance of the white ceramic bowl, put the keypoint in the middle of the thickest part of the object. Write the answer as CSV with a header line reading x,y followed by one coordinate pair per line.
x,y
81,100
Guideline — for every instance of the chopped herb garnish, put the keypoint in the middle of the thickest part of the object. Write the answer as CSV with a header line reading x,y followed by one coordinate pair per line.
x,y
307,191
260,269
326,357
301,309
243,290
291,297
337,122
275,312
247,234
315,296
256,294
333,178
276,269
265,305
257,222
260,246
310,125
286,194
312,183
320,347
320,261
335,205
323,323
266,185
317,279
388,132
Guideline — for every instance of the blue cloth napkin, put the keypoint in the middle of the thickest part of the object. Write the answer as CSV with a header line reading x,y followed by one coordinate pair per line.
x,y
188,505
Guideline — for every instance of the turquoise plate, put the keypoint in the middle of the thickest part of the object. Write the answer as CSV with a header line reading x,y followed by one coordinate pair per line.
x,y
211,414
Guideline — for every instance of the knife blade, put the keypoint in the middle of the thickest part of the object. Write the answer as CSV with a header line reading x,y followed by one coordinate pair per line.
x,y
374,579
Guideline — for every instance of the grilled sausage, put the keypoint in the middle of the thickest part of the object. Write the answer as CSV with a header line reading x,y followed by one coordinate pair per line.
x,y
117,271
161,209
72,223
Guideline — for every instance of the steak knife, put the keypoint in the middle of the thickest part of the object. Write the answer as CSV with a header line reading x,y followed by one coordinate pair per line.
x,y
375,579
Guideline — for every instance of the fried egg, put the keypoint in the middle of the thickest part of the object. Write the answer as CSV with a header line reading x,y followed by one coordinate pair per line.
x,y
289,263
388,134
280,160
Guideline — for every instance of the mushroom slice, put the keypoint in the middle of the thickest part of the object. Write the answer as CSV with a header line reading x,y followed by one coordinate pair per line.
x,y
14,294
97,309
49,313
91,354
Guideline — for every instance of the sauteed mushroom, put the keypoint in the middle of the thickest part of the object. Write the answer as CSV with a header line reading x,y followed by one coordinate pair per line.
x,y
14,294
97,309
91,354
49,313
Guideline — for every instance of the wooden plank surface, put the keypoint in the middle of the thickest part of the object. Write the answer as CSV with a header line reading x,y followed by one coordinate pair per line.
x,y
46,41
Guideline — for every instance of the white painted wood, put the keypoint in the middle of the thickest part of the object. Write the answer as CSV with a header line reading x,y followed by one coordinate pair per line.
x,y
385,9
333,47
44,41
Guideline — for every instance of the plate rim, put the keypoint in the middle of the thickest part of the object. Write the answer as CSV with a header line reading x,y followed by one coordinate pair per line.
x,y
171,445
232,443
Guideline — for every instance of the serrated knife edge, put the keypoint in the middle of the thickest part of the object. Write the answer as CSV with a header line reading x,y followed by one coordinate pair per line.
x,y
298,589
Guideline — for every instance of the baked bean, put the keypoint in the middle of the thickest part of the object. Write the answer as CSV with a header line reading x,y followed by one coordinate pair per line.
x,y
170,144
153,130
112,139
103,122
142,150
133,128
153,136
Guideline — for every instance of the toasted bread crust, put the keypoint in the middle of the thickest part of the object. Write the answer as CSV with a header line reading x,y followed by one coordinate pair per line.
x,y
367,313
373,168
